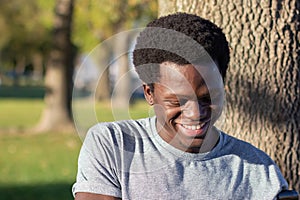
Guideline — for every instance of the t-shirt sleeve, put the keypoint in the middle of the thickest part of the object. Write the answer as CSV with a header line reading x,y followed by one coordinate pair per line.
x,y
97,171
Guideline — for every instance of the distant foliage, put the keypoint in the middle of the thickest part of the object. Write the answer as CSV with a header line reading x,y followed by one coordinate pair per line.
x,y
97,20
24,29
26,25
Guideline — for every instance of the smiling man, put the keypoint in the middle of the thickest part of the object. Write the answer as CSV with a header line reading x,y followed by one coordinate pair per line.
x,y
182,106
177,154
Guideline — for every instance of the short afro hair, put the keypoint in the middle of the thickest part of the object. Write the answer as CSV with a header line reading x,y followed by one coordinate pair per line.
x,y
172,38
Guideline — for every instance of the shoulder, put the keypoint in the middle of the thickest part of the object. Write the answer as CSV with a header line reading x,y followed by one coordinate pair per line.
x,y
116,134
255,162
245,150
128,127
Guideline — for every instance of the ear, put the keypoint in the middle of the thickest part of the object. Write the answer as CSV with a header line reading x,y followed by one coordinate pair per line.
x,y
148,94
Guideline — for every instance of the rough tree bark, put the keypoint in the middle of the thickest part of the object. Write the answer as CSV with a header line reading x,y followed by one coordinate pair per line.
x,y
263,81
59,72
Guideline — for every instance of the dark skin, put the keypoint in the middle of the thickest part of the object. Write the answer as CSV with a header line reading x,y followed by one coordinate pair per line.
x,y
91,196
182,105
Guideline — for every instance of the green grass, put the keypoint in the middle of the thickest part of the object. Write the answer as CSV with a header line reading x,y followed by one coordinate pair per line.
x,y
25,113
19,113
38,158
41,166
38,166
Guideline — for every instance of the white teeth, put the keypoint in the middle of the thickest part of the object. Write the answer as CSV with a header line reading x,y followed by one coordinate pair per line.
x,y
193,127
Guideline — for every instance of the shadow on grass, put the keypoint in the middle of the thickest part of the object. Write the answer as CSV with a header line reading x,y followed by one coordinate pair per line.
x,y
59,191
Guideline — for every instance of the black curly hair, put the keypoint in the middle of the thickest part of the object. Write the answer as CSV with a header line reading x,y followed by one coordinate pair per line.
x,y
173,38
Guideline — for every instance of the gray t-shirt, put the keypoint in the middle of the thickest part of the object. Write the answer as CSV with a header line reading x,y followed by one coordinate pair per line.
x,y
128,159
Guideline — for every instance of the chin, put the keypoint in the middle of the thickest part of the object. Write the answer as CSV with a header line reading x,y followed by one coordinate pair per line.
x,y
192,145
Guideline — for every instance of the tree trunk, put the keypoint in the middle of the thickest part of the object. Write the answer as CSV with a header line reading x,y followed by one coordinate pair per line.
x,y
263,81
59,72
121,92
37,60
121,89
19,69
102,59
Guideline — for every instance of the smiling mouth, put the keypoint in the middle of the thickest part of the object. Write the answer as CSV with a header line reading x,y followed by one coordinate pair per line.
x,y
193,127
195,130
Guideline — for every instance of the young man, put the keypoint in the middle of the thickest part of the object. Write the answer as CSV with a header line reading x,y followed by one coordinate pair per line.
x,y
178,154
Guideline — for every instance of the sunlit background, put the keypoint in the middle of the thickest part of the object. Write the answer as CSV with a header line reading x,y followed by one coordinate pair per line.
x,y
41,163
44,45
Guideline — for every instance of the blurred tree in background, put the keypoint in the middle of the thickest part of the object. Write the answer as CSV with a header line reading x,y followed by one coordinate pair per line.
x,y
96,21
29,43
59,71
25,35
26,28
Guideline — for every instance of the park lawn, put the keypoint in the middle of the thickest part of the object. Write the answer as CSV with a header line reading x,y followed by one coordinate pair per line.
x,y
41,166
38,166
19,113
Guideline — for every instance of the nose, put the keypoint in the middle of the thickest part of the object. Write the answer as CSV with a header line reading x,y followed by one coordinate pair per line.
x,y
195,111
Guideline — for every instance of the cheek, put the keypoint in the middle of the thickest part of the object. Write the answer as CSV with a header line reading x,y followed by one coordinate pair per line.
x,y
215,112
159,112
164,115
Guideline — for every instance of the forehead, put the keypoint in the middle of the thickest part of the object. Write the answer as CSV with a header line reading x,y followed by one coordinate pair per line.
x,y
181,79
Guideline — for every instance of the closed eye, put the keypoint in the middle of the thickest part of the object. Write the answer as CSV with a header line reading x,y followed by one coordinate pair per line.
x,y
177,102
204,100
